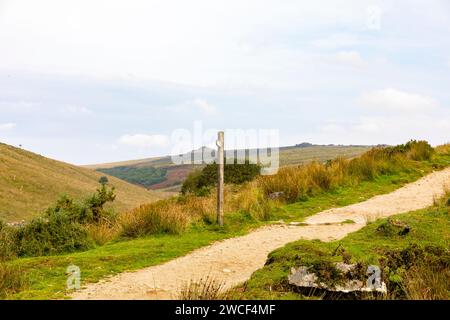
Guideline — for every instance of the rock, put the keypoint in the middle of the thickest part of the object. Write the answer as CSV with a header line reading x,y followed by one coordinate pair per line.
x,y
303,278
276,195
17,224
296,224
393,226
226,270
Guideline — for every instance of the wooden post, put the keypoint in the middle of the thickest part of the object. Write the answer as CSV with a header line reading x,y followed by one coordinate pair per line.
x,y
220,175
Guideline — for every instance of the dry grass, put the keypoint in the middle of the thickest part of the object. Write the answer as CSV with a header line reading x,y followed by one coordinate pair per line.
x,y
159,217
251,200
298,183
12,280
7,244
207,288
103,232
427,283
443,149
203,208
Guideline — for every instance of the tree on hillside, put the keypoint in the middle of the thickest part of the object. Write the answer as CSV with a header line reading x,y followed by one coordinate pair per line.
x,y
103,180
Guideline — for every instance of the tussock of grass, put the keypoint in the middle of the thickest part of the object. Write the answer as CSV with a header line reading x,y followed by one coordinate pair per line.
x,y
207,288
425,282
8,247
12,280
443,149
159,217
103,232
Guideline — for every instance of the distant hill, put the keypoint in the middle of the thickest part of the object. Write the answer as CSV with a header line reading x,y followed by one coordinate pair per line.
x,y
30,182
174,175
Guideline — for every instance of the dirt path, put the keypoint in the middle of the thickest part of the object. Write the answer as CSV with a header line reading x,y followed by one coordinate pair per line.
x,y
234,260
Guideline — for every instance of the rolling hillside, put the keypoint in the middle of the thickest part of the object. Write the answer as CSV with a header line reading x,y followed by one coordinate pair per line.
x,y
30,182
174,175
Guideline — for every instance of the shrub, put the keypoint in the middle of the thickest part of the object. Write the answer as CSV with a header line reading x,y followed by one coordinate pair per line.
x,y
200,182
93,209
90,210
61,228
52,234
195,184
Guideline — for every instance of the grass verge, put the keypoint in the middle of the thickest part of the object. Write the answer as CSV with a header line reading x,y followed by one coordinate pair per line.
x,y
415,265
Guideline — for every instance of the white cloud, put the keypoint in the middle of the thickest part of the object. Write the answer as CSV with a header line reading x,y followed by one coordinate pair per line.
x,y
7,126
367,127
197,104
392,129
19,106
395,100
196,44
336,41
351,58
76,110
333,128
204,106
145,141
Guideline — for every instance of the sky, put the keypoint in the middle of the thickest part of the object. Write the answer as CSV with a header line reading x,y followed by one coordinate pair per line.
x,y
101,81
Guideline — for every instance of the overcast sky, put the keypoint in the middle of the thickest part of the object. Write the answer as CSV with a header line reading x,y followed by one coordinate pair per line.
x,y
100,81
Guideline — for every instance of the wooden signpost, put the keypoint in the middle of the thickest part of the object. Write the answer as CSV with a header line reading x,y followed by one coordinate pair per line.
x,y
220,165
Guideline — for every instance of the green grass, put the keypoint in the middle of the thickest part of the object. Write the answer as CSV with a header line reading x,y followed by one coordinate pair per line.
x,y
47,278
428,227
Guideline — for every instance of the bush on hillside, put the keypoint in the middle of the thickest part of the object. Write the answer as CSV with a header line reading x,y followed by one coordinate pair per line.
x,y
200,182
51,234
414,150
90,211
61,228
